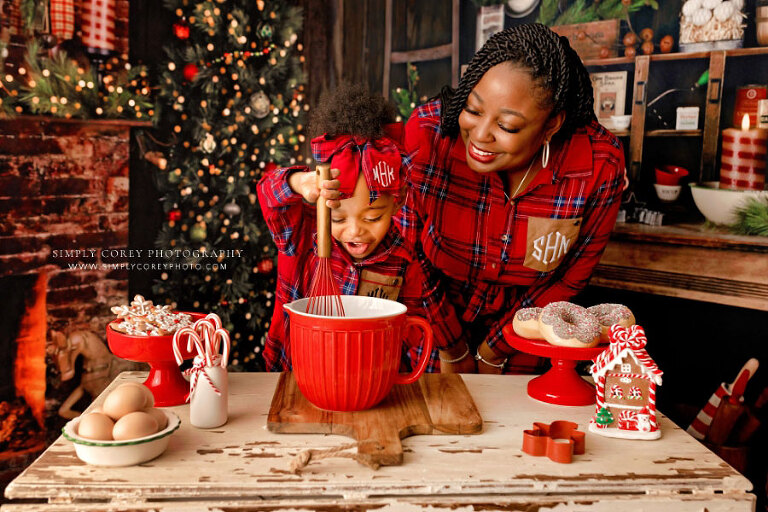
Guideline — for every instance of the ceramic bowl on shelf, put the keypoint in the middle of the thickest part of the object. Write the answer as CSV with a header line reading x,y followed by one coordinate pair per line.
x,y
719,205
621,122
667,193
120,453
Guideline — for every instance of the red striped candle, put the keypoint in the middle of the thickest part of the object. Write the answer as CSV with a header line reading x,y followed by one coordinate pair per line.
x,y
743,160
98,24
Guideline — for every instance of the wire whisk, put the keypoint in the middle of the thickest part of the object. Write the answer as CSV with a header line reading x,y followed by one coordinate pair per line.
x,y
324,296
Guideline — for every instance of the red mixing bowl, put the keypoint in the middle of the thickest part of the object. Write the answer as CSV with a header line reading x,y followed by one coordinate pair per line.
x,y
350,363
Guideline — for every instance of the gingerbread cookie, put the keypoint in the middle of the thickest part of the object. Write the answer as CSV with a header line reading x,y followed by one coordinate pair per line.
x,y
142,318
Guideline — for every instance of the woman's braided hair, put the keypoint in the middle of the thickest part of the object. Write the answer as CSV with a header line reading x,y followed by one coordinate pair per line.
x,y
554,67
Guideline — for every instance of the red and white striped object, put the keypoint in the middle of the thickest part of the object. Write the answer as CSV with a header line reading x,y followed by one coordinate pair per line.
x,y
616,391
699,427
99,24
63,19
628,420
635,393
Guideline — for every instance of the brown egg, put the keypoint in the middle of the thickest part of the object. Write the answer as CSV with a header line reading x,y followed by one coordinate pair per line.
x,y
95,425
160,417
647,47
630,51
144,389
666,44
646,34
123,400
134,425
605,52
630,39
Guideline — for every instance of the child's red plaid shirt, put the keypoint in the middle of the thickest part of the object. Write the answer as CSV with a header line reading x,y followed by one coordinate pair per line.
x,y
497,255
292,223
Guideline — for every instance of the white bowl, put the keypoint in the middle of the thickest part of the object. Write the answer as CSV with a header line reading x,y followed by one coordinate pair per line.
x,y
120,453
719,205
621,122
667,193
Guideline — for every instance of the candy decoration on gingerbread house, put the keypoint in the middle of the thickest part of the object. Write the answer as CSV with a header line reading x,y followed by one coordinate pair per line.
x,y
626,378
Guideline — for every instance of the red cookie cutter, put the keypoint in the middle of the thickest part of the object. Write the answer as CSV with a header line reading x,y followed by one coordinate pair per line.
x,y
558,440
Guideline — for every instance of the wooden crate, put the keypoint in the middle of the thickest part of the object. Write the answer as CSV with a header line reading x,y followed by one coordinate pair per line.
x,y
588,38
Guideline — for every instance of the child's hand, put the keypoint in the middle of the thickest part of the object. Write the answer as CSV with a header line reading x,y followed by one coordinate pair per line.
x,y
329,189
305,184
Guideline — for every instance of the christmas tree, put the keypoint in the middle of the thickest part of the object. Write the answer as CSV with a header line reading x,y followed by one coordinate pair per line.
x,y
231,104
604,417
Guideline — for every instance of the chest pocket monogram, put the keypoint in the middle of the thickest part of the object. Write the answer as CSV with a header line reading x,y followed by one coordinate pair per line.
x,y
374,284
548,241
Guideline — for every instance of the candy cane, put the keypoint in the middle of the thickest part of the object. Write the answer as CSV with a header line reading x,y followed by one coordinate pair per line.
x,y
213,317
219,336
177,338
192,337
205,328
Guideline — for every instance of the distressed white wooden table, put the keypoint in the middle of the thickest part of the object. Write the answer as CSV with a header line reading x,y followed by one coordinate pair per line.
x,y
242,466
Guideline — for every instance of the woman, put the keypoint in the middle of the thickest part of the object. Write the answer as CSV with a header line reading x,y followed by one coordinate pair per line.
x,y
514,189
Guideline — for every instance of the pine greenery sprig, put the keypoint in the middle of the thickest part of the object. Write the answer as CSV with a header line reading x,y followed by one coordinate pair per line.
x,y
752,218
583,12
407,99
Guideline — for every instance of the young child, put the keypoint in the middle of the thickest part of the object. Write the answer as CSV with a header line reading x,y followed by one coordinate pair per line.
x,y
369,256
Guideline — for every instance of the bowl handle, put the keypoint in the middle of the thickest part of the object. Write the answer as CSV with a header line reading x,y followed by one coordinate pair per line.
x,y
426,350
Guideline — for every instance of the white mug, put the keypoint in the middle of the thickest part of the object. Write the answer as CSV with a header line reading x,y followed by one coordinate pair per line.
x,y
208,406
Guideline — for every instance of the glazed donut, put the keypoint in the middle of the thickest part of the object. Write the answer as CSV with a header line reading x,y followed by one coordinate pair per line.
x,y
526,323
610,314
568,325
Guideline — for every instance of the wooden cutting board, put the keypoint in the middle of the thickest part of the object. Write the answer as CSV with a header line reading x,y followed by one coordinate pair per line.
x,y
435,404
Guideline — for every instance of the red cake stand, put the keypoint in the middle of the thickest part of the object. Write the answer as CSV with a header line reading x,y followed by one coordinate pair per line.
x,y
561,385
165,380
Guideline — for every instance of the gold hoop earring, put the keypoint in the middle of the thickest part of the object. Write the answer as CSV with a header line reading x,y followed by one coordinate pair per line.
x,y
545,154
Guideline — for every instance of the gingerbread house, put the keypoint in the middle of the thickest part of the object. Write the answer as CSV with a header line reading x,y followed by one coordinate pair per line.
x,y
626,378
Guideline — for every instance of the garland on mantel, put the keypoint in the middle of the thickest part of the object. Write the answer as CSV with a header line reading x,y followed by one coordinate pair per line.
x,y
52,83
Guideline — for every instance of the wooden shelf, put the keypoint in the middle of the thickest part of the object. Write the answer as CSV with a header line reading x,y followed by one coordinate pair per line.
x,y
698,234
689,261
736,52
674,133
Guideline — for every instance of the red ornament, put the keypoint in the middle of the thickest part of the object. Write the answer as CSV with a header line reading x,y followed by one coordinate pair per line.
x,y
265,266
174,215
181,30
190,72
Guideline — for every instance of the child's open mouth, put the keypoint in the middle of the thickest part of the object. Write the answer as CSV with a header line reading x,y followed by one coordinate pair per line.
x,y
356,248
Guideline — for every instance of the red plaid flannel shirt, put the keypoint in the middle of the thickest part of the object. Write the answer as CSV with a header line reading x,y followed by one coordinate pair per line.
x,y
480,242
292,223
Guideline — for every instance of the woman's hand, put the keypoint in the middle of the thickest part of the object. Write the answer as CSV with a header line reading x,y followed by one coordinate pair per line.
x,y
457,359
305,184
489,356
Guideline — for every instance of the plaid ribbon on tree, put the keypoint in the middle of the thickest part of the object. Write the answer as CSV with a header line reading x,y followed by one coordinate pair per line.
x,y
63,19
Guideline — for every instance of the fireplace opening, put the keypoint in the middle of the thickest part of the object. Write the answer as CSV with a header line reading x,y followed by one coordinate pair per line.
x,y
23,326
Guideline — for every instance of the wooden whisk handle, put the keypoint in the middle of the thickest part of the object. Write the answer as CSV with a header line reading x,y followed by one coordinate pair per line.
x,y
323,215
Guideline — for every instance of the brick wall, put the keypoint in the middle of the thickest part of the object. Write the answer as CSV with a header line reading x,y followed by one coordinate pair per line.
x,y
64,188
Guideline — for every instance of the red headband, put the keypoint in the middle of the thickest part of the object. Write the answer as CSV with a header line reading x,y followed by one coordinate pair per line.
x,y
380,160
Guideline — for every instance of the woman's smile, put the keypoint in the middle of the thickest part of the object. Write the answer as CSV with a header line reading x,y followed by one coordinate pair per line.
x,y
480,155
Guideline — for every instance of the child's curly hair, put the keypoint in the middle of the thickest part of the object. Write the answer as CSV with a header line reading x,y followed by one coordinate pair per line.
x,y
351,109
